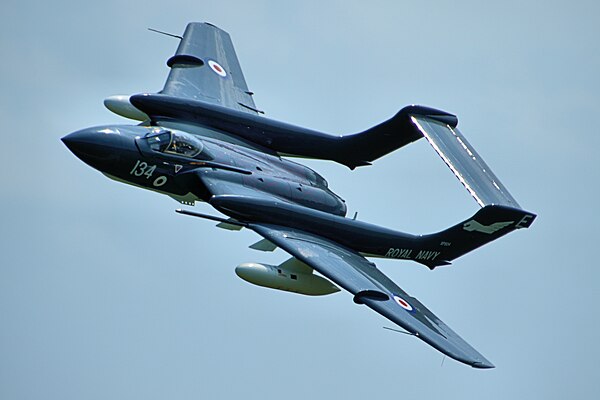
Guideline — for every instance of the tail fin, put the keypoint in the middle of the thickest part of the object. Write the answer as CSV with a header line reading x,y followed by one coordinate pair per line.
x,y
489,223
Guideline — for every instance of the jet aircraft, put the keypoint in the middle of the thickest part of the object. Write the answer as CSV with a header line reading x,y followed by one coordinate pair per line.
x,y
202,138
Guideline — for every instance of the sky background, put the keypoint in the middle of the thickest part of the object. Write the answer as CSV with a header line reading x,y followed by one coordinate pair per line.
x,y
106,293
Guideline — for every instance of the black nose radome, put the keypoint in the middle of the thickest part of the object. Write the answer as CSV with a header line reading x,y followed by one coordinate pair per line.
x,y
95,145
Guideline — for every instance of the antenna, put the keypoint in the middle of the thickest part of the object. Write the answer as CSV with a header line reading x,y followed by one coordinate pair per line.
x,y
355,215
400,331
165,33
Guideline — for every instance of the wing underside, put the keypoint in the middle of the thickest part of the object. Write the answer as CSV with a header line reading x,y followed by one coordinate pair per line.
x,y
371,287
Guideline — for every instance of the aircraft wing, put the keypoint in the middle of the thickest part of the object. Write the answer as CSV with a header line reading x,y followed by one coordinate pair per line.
x,y
205,68
371,287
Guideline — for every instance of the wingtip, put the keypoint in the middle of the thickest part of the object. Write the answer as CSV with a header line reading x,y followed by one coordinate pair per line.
x,y
483,365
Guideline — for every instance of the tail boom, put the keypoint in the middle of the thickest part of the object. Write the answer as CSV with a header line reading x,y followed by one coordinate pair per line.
x,y
488,224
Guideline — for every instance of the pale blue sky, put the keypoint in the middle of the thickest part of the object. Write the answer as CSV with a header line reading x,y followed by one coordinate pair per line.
x,y
105,292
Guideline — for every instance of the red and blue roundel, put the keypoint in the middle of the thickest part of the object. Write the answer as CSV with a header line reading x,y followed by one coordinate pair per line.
x,y
403,303
217,68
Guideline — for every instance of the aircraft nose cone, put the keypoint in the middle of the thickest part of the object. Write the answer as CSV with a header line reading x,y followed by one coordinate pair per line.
x,y
94,145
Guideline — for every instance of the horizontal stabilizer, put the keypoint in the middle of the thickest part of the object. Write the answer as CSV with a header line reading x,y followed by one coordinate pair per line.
x,y
464,162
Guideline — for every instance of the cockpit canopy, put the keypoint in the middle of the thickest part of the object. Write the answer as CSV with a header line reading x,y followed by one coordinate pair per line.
x,y
316,178
174,142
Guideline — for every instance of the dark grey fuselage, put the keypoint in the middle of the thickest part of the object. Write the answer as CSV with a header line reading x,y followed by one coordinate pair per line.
x,y
249,184
123,153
